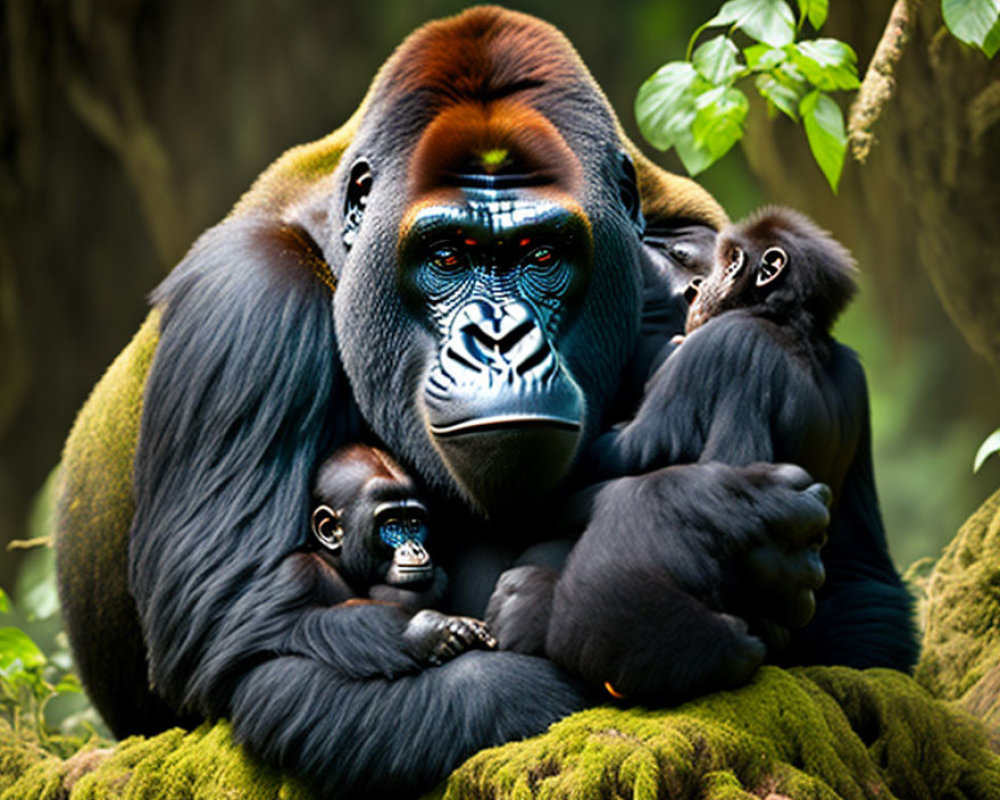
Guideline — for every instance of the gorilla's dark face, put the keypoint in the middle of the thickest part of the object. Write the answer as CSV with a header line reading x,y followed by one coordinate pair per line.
x,y
489,295
496,275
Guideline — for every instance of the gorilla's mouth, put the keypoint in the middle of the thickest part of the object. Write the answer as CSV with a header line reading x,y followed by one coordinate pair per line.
x,y
402,575
504,422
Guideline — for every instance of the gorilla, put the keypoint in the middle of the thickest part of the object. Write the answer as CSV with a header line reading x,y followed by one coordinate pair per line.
x,y
758,377
474,274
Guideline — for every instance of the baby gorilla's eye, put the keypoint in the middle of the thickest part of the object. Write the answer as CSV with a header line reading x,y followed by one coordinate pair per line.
x,y
392,532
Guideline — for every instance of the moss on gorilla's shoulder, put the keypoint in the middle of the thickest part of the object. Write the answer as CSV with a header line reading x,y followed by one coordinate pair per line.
x,y
962,642
821,733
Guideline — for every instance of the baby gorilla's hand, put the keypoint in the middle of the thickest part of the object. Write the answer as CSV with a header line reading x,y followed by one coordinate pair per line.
x,y
434,638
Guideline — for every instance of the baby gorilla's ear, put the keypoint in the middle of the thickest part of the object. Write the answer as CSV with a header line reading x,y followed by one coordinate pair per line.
x,y
771,265
327,530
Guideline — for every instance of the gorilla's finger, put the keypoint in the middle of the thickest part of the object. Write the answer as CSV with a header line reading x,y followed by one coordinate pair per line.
x,y
791,475
803,520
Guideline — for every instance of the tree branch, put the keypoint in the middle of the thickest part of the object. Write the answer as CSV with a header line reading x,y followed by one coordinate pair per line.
x,y
879,83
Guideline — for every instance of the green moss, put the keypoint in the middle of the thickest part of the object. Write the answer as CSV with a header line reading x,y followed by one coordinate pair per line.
x,y
825,733
962,639
821,733
176,765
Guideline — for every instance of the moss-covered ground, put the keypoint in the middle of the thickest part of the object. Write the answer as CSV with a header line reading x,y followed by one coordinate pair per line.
x,y
820,733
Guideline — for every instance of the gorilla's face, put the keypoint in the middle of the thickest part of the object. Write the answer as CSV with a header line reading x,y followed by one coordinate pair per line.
x,y
496,275
497,312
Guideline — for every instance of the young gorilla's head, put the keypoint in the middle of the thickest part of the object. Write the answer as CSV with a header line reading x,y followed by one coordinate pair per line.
x,y
368,521
778,264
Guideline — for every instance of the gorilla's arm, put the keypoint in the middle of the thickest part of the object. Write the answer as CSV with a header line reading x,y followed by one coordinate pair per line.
x,y
864,615
244,396
653,597
717,397
650,596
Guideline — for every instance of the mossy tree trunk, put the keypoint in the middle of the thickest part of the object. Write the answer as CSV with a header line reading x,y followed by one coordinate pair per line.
x,y
928,197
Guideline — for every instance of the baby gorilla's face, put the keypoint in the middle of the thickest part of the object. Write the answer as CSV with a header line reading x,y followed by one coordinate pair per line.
x,y
743,272
401,528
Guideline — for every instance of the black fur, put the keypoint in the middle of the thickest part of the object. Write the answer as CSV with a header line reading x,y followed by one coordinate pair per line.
x,y
759,378
256,377
238,411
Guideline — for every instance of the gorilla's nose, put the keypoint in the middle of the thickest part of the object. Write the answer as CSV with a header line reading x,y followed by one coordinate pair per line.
x,y
500,340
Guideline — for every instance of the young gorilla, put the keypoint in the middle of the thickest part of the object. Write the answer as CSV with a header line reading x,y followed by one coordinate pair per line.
x,y
758,378
369,529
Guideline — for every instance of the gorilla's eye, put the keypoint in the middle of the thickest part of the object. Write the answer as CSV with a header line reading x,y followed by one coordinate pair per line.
x,y
542,257
447,258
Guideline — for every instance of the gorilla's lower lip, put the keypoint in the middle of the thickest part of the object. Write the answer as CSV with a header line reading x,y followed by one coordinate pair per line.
x,y
481,425
399,575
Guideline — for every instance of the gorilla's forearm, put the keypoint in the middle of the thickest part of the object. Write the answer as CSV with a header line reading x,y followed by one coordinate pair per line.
x,y
650,601
382,739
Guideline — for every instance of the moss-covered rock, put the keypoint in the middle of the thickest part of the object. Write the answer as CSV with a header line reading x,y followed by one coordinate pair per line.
x,y
961,656
204,764
822,733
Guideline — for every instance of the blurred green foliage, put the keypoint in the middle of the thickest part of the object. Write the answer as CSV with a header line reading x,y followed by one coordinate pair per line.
x,y
29,679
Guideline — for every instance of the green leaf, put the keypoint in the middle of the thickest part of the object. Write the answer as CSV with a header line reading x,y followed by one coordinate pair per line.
x,y
17,648
783,97
70,684
664,105
694,158
824,124
790,75
971,21
718,123
828,64
761,57
718,60
986,449
769,21
4,602
992,43
815,11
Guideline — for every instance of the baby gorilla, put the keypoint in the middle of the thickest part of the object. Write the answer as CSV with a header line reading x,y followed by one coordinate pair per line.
x,y
370,528
758,378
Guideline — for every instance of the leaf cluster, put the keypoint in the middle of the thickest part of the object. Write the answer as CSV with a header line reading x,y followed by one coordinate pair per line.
x,y
695,106
28,679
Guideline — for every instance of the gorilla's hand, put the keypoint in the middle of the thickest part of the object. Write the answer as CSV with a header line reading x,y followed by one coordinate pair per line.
x,y
519,609
744,540
434,638
653,597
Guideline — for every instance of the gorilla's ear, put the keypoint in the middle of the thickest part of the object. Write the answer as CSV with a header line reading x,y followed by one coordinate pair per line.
x,y
327,528
356,199
628,191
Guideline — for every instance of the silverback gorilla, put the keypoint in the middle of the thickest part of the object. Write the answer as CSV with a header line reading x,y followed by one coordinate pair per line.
x,y
471,275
